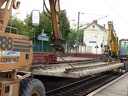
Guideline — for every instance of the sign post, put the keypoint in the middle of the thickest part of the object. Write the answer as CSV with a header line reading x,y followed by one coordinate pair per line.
x,y
43,37
35,20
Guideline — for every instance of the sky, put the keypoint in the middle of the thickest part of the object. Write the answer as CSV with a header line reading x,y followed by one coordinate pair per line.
x,y
101,10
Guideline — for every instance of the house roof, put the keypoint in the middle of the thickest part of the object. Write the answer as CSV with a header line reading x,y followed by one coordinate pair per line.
x,y
95,22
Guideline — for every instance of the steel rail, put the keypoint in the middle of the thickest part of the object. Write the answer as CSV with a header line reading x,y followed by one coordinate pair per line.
x,y
82,87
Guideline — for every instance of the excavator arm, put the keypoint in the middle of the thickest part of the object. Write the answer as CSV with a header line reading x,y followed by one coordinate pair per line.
x,y
111,49
5,10
112,39
55,16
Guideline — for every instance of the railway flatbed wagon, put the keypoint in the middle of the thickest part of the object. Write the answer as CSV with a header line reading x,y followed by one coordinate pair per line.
x,y
76,70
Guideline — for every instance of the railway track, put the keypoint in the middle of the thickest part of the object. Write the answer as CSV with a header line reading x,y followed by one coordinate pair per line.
x,y
84,86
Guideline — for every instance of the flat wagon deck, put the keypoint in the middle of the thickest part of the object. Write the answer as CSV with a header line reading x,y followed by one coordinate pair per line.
x,y
76,70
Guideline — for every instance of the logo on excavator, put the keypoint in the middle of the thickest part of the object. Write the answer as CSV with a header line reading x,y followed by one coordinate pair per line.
x,y
14,59
11,53
9,56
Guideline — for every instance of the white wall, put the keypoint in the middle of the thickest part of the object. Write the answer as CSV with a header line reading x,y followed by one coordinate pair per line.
x,y
93,36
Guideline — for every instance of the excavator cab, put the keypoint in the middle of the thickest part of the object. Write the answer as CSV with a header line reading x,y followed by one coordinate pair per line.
x,y
123,49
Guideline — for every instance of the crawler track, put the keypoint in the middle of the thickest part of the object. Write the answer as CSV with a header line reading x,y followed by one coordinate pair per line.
x,y
82,87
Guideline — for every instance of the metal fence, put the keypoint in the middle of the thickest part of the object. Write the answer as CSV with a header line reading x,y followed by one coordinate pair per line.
x,y
46,47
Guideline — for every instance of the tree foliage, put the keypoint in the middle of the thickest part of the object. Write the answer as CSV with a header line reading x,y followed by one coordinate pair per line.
x,y
17,23
73,36
65,28
28,25
26,28
46,24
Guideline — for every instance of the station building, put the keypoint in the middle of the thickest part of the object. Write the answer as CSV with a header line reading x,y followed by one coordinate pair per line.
x,y
94,38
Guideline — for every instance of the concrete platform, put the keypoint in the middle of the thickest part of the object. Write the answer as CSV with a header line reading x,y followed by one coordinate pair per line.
x,y
118,87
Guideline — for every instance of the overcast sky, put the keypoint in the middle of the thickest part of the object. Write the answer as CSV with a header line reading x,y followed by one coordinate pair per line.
x,y
116,11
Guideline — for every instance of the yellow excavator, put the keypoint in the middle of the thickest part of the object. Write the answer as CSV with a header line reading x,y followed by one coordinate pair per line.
x,y
16,52
111,49
115,50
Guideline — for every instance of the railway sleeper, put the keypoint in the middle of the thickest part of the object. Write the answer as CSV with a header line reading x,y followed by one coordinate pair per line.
x,y
70,91
75,90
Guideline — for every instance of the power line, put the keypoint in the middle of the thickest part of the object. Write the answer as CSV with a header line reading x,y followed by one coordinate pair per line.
x,y
70,7
94,14
80,11
102,17
116,11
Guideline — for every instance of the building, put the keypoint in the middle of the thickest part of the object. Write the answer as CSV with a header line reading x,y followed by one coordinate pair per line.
x,y
94,38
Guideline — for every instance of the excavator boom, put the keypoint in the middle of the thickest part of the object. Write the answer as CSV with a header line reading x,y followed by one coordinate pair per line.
x,y
5,10
112,39
55,16
111,49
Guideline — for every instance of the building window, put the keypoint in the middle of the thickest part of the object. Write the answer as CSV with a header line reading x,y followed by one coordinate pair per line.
x,y
93,26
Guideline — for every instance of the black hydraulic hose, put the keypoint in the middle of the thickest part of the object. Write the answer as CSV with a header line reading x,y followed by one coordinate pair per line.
x,y
44,6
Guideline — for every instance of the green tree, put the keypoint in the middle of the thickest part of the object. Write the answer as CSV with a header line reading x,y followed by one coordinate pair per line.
x,y
17,23
28,25
65,28
73,36
81,34
46,24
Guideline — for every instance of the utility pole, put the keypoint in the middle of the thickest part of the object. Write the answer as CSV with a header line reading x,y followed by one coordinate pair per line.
x,y
77,38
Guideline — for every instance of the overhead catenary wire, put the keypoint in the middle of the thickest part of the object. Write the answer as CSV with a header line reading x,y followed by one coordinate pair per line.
x,y
102,17
70,7
116,12
81,11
